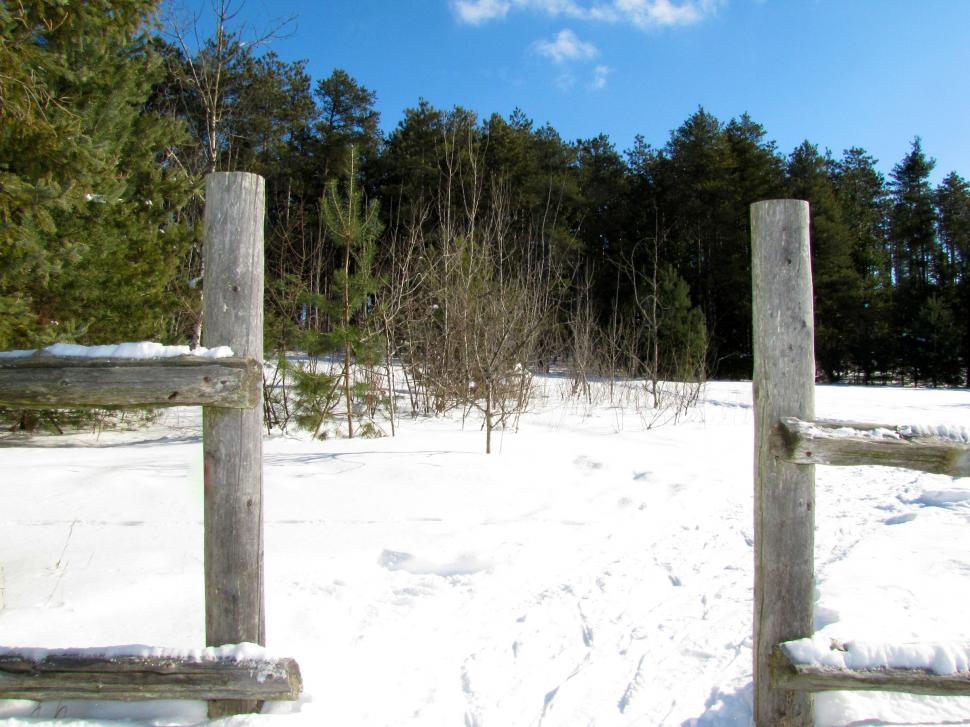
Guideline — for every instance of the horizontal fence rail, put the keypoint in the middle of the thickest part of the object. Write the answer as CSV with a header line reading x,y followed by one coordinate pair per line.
x,y
70,676
57,382
789,673
853,444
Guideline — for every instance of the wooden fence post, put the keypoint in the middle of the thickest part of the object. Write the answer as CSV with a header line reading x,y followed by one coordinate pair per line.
x,y
232,439
784,494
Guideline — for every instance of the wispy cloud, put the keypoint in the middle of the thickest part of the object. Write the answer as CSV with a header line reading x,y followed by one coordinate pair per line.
x,y
600,74
565,81
644,14
476,12
566,46
663,13
555,8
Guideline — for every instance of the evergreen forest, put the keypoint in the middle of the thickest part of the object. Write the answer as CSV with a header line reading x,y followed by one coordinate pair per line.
x,y
465,245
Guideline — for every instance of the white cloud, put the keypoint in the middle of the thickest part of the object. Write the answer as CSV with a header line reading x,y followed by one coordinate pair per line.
x,y
554,8
643,14
600,74
566,46
663,13
476,12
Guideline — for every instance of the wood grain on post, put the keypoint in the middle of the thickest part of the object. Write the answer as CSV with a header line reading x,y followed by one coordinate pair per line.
x,y
232,439
54,382
784,493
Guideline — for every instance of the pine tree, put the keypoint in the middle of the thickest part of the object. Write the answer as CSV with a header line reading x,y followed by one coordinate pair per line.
x,y
346,118
705,179
681,333
88,201
837,286
354,227
864,202
918,297
953,223
912,224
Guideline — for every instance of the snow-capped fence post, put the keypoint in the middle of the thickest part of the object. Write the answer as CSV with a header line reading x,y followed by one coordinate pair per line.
x,y
232,439
784,496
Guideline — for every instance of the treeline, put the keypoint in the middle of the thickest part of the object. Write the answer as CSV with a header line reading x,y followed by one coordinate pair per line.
x,y
592,258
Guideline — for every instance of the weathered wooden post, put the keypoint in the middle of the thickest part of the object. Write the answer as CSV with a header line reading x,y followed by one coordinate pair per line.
x,y
232,438
784,493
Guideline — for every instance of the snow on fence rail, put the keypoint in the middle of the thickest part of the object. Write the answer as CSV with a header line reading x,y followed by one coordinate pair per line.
x,y
941,451
230,390
930,669
789,442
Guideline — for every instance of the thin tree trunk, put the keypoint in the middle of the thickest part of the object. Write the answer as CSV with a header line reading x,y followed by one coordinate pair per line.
x,y
654,329
390,377
197,326
347,357
488,419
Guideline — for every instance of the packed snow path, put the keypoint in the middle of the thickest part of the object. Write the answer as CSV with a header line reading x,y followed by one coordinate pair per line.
x,y
591,573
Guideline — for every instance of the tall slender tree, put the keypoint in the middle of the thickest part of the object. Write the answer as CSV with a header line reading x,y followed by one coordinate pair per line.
x,y
837,285
354,226
953,214
913,246
863,199
912,222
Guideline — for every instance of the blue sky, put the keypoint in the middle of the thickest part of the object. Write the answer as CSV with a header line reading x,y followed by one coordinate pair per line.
x,y
840,73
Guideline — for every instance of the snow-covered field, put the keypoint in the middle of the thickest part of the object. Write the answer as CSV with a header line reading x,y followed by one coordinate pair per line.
x,y
589,573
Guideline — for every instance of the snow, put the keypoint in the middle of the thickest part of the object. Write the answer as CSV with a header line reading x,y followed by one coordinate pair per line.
x,y
947,432
591,572
128,350
877,433
955,433
945,658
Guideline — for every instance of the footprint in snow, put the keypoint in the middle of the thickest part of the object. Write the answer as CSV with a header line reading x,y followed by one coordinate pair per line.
x,y
955,498
464,565
587,463
898,519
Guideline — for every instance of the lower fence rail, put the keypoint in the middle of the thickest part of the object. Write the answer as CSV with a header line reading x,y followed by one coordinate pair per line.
x,y
72,674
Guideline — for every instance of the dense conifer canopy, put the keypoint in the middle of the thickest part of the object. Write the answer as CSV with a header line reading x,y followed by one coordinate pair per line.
x,y
108,125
